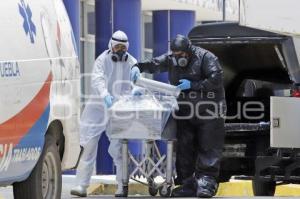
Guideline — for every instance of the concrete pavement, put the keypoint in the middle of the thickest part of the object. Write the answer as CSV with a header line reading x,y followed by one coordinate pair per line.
x,y
104,187
146,197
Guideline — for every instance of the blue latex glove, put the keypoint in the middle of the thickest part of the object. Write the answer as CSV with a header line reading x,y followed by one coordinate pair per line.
x,y
138,91
185,84
108,100
135,73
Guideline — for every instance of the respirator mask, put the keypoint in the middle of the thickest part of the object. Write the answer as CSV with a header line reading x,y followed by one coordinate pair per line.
x,y
181,61
120,56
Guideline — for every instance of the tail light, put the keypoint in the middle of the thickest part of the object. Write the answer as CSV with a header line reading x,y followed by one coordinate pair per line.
x,y
295,93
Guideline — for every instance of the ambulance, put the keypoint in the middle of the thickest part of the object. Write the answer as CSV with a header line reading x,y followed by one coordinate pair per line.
x,y
39,97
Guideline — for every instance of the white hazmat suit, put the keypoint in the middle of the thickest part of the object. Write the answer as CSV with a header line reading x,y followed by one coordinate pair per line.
x,y
108,78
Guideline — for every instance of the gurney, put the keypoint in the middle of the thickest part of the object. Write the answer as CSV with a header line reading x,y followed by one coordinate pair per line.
x,y
147,118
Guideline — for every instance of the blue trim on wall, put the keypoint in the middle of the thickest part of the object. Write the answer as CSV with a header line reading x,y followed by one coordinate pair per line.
x,y
73,10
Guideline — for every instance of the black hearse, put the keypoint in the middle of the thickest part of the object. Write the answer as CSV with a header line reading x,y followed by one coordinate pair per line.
x,y
258,66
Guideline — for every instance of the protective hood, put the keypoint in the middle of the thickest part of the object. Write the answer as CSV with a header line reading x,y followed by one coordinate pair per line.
x,y
119,37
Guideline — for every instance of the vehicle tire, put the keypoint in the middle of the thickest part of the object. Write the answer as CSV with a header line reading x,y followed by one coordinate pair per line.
x,y
45,180
263,188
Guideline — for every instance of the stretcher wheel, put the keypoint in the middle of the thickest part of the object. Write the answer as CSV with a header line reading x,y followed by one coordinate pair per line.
x,y
152,187
165,191
153,191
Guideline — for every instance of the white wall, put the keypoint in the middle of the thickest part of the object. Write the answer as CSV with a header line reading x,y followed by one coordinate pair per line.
x,y
273,15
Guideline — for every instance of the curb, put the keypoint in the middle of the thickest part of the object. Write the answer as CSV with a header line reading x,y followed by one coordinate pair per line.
x,y
233,188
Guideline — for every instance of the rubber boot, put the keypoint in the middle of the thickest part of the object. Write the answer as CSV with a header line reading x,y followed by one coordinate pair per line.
x,y
188,189
206,187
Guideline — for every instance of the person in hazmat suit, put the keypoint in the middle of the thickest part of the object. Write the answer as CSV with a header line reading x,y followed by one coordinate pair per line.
x,y
200,122
109,80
